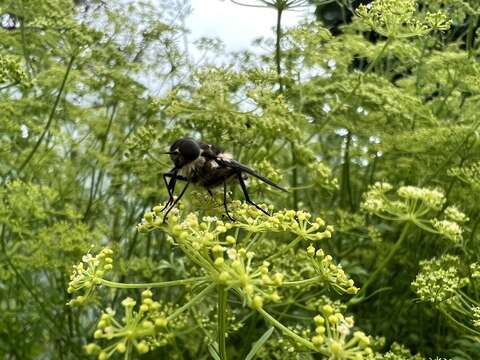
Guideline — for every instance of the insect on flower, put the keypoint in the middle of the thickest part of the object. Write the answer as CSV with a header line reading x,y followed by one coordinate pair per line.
x,y
208,166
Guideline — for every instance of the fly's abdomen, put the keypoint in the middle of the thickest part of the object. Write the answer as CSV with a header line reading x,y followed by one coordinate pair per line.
x,y
215,177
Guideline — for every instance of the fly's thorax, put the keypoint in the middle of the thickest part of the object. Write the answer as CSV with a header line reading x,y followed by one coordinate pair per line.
x,y
193,167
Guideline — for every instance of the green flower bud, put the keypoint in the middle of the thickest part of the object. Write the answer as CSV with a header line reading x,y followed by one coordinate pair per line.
x,y
92,348
142,347
161,322
318,340
257,302
319,320
121,348
148,217
327,309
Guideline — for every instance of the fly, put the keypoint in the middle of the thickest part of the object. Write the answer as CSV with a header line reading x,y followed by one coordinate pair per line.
x,y
207,165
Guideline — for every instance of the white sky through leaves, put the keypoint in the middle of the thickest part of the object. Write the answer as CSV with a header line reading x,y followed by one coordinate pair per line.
x,y
237,26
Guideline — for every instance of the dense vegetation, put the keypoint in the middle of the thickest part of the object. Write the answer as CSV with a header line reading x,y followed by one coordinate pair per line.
x,y
372,124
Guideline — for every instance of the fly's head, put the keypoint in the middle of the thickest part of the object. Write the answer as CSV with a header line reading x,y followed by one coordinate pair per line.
x,y
184,151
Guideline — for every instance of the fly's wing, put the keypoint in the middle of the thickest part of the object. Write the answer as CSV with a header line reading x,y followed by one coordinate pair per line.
x,y
236,165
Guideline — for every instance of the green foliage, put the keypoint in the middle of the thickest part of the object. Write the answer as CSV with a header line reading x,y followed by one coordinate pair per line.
x,y
374,131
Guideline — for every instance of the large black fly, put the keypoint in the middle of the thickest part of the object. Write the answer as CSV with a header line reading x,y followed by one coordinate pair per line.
x,y
206,165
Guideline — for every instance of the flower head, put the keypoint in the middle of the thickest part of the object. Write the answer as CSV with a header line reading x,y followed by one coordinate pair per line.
x,y
143,328
88,274
439,279
334,336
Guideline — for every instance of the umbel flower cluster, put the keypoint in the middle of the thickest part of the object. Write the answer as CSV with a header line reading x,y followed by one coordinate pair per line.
x,y
443,283
415,205
399,19
141,329
469,174
239,261
334,336
439,280
88,274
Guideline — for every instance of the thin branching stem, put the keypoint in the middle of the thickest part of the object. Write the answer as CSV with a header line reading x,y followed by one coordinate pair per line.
x,y
50,117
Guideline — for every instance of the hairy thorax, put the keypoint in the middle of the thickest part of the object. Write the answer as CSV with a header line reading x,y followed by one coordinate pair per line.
x,y
207,172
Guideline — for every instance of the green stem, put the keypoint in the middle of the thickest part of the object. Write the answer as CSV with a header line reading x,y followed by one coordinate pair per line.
x,y
255,239
286,331
294,176
278,53
470,39
385,261
465,298
447,96
285,249
26,52
357,85
456,322
50,118
192,302
346,189
221,318
460,147
119,285
310,281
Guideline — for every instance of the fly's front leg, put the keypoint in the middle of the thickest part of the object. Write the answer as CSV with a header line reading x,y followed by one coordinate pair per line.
x,y
245,193
176,201
170,185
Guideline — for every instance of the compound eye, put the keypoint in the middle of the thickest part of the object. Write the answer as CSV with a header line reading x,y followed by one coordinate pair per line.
x,y
189,149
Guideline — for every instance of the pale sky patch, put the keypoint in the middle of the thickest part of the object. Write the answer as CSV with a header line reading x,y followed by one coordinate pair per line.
x,y
237,26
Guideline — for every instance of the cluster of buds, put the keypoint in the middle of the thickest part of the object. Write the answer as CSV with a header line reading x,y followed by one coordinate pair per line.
x,y
253,220
298,223
143,329
11,70
441,283
415,205
413,201
454,214
225,253
439,280
475,270
476,317
211,231
451,230
199,234
322,175
154,219
268,170
397,19
431,198
331,273
256,284
333,336
88,274
469,174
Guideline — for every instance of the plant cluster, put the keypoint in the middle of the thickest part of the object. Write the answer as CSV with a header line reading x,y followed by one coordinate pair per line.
x,y
372,126
238,261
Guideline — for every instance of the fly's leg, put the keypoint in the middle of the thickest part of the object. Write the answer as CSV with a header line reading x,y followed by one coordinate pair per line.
x,y
176,201
171,185
245,193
